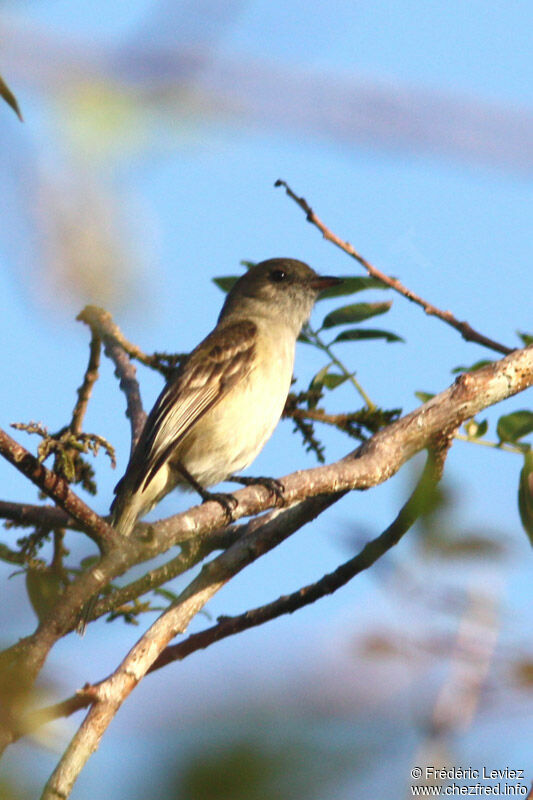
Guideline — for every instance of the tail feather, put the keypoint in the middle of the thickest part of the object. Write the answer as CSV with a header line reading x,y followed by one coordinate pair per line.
x,y
125,511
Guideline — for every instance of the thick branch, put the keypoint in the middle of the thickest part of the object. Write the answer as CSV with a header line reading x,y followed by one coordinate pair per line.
x,y
370,464
466,331
112,692
376,460
288,604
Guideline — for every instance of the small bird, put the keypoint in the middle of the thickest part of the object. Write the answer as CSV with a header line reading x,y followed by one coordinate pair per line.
x,y
218,411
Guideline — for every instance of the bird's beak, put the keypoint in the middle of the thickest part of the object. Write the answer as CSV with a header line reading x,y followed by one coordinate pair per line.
x,y
322,282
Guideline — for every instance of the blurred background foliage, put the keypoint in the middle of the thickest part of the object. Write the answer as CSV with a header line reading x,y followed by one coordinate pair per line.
x,y
153,132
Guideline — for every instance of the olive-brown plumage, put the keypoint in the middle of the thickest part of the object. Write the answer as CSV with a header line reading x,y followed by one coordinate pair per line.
x,y
212,419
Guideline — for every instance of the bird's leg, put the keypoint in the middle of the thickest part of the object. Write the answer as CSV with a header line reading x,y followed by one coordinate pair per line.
x,y
227,501
274,486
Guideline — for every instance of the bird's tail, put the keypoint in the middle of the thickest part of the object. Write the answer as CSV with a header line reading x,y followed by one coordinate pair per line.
x,y
126,508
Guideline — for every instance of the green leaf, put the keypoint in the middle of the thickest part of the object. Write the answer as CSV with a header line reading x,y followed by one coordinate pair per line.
x,y
527,338
477,365
513,427
318,379
328,379
10,98
357,312
352,285
366,333
333,379
166,593
304,338
226,282
525,495
424,396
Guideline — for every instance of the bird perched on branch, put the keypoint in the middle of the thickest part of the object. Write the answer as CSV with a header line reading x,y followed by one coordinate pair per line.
x,y
215,415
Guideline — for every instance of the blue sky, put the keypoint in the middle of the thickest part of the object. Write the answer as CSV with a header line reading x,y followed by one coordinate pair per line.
x,y
190,187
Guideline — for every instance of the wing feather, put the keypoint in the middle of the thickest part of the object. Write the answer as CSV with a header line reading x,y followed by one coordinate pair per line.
x,y
221,360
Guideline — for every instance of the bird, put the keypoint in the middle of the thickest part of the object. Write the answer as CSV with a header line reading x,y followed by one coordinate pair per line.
x,y
222,405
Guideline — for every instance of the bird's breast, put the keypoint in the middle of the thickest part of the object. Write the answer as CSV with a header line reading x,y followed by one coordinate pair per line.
x,y
229,436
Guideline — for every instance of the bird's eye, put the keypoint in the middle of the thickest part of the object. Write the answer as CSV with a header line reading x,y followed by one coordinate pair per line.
x,y
278,275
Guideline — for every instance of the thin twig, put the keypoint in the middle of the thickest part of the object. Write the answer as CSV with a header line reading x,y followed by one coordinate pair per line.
x,y
85,390
466,331
326,348
120,351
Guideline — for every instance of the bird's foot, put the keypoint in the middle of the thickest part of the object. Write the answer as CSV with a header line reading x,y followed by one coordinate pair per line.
x,y
227,501
274,486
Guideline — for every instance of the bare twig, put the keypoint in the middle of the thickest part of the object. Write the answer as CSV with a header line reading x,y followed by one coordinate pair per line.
x,y
119,350
466,331
85,390
83,698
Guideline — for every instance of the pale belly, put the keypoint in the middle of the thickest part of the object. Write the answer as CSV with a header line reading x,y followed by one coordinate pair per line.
x,y
229,437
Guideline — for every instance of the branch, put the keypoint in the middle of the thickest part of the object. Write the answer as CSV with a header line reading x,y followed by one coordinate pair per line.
x,y
466,331
192,553
58,490
111,693
118,349
26,514
372,463
328,584
85,390
377,459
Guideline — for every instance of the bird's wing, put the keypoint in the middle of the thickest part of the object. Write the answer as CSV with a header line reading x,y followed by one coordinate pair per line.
x,y
221,360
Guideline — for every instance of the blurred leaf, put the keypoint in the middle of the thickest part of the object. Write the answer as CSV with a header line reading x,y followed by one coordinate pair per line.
x,y
449,544
357,312
44,587
524,673
10,98
424,396
513,427
477,365
333,379
226,282
166,593
303,337
525,495
89,561
527,338
351,286
476,429
328,379
370,333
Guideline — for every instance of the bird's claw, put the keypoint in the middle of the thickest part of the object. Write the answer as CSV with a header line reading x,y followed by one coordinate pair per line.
x,y
227,501
274,486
